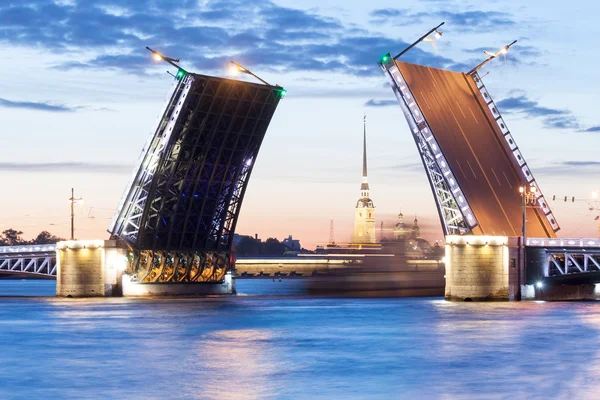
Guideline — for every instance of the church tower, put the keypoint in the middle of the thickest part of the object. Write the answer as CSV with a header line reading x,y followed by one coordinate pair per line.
x,y
416,231
364,216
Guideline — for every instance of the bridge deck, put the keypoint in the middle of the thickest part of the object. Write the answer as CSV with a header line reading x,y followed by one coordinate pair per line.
x,y
471,142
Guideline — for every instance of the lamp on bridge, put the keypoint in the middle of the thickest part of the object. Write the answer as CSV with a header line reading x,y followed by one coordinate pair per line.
x,y
436,35
237,69
491,56
528,196
158,57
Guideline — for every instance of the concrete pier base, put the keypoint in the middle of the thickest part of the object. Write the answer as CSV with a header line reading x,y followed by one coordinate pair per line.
x,y
136,289
561,292
89,268
481,268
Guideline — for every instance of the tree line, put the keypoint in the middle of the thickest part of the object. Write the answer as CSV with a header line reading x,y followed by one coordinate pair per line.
x,y
249,246
12,237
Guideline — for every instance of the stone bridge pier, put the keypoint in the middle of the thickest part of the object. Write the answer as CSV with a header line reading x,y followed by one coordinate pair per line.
x,y
483,268
500,268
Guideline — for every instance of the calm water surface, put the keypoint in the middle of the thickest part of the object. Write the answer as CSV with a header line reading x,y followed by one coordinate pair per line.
x,y
255,346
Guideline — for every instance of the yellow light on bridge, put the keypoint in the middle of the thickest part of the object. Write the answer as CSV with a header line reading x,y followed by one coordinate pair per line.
x,y
157,57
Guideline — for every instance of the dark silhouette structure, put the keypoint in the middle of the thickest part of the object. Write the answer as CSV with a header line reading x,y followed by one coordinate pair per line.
x,y
179,212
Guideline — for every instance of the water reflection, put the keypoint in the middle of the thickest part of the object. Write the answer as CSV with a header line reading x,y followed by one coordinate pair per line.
x,y
255,347
245,359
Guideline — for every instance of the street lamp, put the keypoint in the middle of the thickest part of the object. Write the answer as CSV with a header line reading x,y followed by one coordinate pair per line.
x,y
73,200
491,56
158,57
425,37
528,196
237,68
240,69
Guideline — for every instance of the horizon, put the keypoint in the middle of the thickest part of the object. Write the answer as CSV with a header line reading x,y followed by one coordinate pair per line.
x,y
90,98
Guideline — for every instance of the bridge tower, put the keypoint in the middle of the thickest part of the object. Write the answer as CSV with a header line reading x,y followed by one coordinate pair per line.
x,y
476,173
177,216
364,214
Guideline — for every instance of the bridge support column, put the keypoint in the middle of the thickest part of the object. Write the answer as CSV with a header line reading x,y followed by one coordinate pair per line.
x,y
555,291
89,268
481,268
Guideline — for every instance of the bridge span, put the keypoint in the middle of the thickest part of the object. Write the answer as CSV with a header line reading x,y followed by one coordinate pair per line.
x,y
563,259
29,260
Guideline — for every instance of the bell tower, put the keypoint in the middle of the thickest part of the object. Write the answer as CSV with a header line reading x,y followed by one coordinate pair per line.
x,y
364,215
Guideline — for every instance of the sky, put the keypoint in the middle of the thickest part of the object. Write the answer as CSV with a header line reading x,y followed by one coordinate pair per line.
x,y
79,95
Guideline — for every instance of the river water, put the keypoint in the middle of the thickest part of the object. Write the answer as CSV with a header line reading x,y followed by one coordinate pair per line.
x,y
264,344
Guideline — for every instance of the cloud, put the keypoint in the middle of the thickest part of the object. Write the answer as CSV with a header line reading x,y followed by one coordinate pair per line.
x,y
406,167
73,167
40,106
581,163
465,21
551,117
206,35
593,129
575,168
381,103
46,106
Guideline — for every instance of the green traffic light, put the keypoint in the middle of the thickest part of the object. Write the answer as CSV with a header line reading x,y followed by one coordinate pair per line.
x,y
180,74
385,58
282,93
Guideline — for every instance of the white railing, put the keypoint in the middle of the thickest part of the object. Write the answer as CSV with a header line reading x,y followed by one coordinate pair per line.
x,y
563,242
29,248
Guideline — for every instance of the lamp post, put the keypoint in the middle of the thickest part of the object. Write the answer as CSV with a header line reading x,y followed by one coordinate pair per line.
x,y
173,61
527,196
158,56
595,205
238,68
491,55
73,200
437,35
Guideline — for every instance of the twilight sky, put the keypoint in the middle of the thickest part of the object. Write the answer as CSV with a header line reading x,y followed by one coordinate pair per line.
x,y
79,95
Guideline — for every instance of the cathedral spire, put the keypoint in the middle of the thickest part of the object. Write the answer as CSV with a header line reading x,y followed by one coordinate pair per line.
x,y
364,214
365,146
364,187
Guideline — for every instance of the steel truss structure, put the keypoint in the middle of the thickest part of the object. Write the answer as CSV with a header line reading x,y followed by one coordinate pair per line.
x,y
568,256
542,204
37,260
456,213
453,207
180,210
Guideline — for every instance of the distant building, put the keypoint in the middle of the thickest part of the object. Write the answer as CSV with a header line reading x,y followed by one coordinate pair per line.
x,y
364,215
292,244
415,245
401,231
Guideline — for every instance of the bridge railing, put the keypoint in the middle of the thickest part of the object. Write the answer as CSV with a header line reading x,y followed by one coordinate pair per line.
x,y
563,242
29,248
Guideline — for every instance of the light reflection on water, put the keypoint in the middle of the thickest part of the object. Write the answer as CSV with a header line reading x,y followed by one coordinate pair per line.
x,y
256,347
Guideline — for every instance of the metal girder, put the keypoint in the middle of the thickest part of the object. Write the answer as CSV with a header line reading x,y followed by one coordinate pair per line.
x,y
36,260
185,197
454,210
571,262
179,266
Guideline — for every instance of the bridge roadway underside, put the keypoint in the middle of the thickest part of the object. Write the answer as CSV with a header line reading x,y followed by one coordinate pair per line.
x,y
474,147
